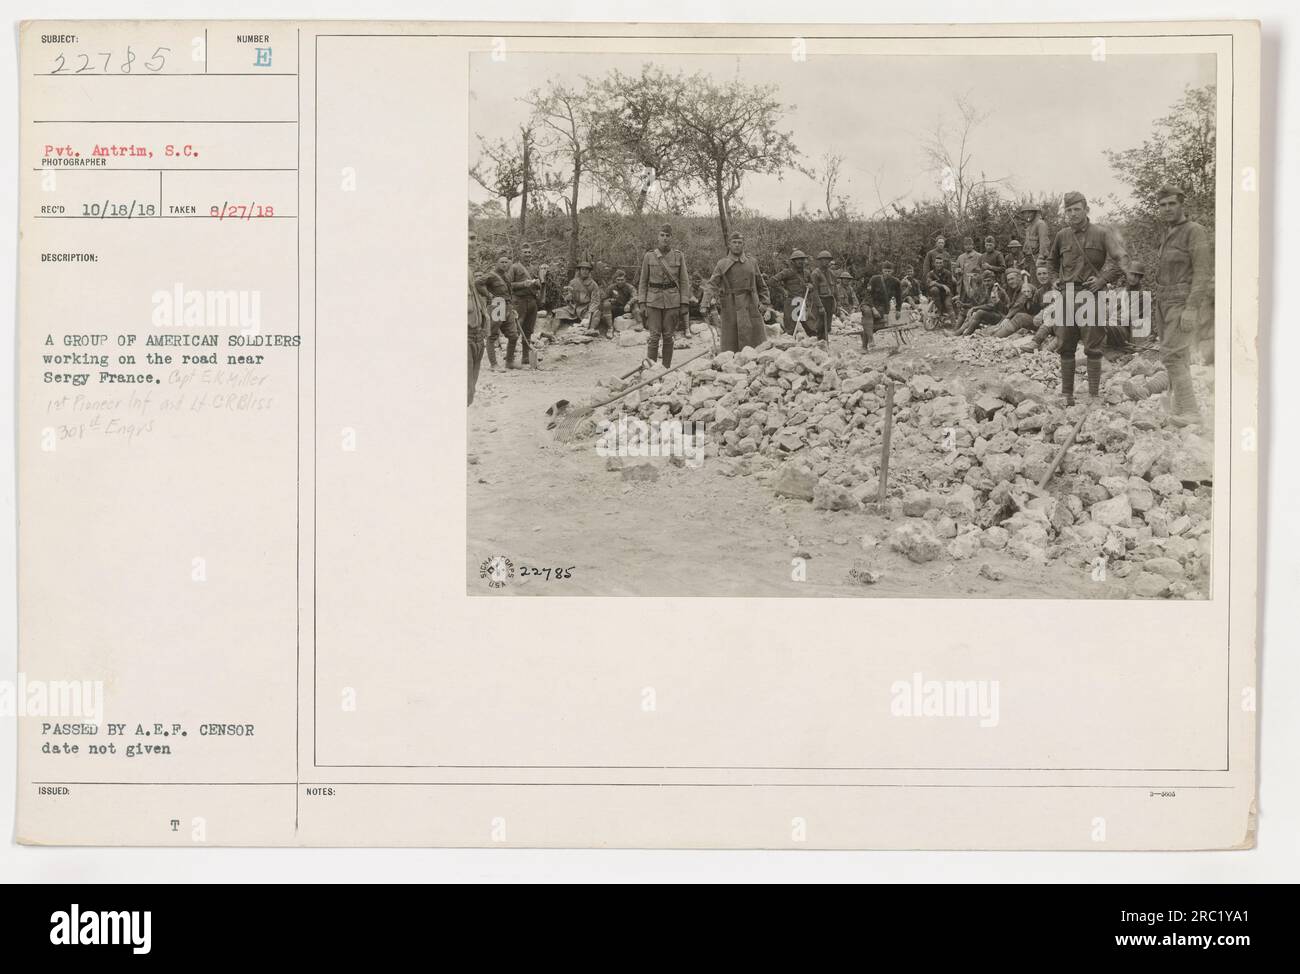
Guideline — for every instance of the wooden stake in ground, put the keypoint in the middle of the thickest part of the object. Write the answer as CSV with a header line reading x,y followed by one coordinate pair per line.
x,y
884,443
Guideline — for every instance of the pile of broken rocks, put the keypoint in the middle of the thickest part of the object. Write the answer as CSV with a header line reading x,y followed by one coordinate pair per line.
x,y
1132,498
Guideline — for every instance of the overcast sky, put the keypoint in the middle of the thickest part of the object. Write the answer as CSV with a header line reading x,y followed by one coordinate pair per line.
x,y
1050,117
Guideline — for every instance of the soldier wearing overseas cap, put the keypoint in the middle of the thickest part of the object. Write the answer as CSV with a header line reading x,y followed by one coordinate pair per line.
x,y
1183,291
1088,256
500,310
1035,238
663,292
823,281
740,293
800,303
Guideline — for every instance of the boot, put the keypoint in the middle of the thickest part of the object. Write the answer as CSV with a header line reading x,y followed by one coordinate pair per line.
x,y
668,350
1067,379
1094,377
511,342
492,353
652,348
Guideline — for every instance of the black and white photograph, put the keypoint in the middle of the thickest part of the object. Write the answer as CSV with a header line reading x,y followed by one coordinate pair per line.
x,y
900,326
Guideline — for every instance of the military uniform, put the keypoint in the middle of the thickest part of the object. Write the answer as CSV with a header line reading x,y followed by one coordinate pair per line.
x,y
800,303
1092,251
501,314
1037,240
586,296
618,298
1183,294
478,324
738,287
881,290
928,262
663,290
526,288
823,282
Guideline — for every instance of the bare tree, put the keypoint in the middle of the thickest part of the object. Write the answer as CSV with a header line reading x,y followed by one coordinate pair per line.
x,y
947,155
563,114
832,163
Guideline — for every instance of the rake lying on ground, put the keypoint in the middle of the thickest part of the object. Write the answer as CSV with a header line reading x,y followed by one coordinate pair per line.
x,y
566,417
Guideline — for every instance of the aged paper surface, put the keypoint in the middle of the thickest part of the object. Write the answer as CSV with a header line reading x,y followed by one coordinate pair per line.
x,y
271,576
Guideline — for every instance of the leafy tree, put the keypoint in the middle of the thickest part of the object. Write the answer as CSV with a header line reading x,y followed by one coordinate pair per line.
x,y
1180,151
636,145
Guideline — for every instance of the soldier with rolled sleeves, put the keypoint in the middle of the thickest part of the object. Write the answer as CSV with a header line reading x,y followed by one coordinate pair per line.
x,y
800,302
663,294
1183,291
1036,240
1089,256
740,293
823,282
500,310
525,285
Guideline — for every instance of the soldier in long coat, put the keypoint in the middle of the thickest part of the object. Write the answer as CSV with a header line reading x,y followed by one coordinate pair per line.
x,y
738,287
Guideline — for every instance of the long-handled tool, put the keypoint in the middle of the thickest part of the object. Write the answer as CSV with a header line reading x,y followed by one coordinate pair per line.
x,y
884,442
566,416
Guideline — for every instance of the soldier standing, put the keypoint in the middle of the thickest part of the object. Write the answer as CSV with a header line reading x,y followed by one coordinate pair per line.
x,y
823,281
940,250
525,285
478,324
500,310
800,305
1183,292
1037,240
663,294
846,297
1089,256
738,289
